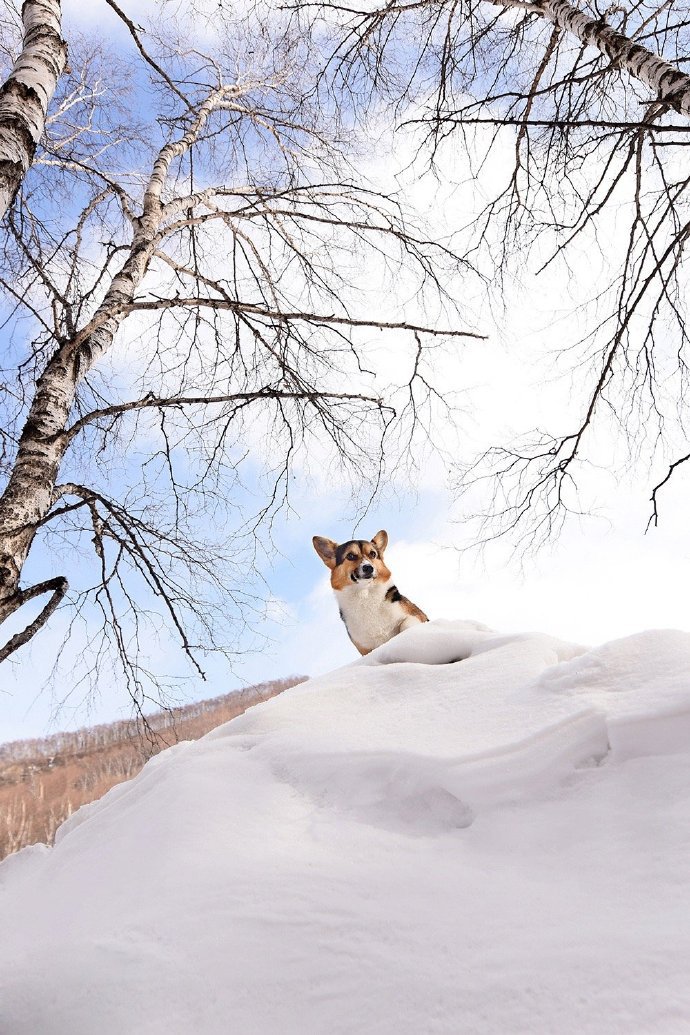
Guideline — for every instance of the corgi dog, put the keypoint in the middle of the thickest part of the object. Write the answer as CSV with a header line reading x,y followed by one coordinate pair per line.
x,y
372,608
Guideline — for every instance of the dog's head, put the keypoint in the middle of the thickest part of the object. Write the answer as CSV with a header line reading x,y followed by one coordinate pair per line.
x,y
355,563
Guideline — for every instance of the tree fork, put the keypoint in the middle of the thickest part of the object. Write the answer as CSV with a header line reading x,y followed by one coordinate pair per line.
x,y
57,587
30,490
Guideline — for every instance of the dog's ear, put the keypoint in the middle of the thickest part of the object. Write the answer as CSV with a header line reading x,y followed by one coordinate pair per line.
x,y
326,550
380,541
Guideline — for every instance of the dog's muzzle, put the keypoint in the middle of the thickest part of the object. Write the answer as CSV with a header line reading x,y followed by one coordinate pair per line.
x,y
364,571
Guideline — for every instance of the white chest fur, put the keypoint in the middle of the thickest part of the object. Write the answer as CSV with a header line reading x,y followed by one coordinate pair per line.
x,y
370,619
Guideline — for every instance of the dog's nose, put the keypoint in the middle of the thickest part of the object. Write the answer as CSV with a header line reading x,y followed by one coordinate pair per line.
x,y
367,569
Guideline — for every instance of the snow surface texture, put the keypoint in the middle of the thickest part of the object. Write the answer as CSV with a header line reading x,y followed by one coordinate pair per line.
x,y
462,832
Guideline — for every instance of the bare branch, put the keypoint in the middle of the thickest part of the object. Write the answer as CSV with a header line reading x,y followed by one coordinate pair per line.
x,y
135,33
154,402
57,587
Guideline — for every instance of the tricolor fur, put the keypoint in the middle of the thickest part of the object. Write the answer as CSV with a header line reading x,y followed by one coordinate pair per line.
x,y
371,606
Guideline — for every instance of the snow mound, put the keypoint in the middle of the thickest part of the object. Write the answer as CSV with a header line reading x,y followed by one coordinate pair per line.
x,y
463,831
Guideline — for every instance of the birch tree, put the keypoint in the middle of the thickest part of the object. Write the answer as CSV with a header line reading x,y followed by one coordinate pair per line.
x,y
189,280
585,110
27,92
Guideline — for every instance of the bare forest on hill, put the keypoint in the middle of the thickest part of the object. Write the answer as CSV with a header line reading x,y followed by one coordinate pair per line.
x,y
43,781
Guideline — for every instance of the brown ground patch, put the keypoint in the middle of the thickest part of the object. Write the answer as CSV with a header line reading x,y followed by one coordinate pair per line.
x,y
42,782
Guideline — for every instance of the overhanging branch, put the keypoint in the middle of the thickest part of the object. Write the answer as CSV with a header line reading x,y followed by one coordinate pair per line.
x,y
242,398
250,309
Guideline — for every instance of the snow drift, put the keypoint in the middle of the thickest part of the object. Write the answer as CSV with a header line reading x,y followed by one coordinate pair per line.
x,y
462,832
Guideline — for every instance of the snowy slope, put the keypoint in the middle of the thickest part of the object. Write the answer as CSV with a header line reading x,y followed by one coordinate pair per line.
x,y
462,832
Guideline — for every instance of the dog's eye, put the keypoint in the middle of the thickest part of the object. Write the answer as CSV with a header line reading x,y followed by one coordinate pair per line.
x,y
352,557
373,554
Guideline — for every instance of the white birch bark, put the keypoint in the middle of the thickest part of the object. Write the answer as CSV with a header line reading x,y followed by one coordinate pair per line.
x,y
27,92
666,82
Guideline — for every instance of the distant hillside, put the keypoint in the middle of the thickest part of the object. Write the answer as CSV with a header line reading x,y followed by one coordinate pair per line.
x,y
43,781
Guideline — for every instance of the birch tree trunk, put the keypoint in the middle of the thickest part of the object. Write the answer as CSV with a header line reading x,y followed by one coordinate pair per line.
x,y
27,92
30,491
668,83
